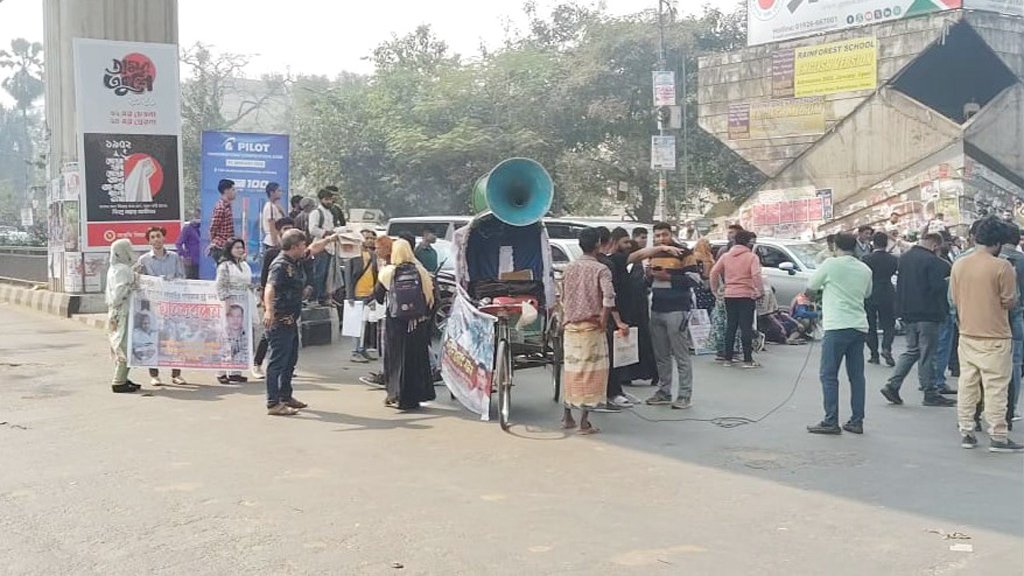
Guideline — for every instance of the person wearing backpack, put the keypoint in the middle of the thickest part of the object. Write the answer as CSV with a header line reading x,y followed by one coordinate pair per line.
x,y
321,223
409,291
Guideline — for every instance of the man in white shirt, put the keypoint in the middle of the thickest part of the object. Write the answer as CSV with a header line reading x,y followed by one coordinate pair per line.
x,y
321,224
271,213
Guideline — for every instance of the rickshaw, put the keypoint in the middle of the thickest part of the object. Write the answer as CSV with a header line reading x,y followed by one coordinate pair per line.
x,y
503,269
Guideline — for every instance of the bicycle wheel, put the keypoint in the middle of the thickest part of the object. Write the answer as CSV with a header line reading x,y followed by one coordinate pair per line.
x,y
557,361
503,383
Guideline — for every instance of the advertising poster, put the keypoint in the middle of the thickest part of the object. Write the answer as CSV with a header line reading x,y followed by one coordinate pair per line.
x,y
74,276
739,121
778,20
664,88
700,332
129,128
184,324
663,152
783,62
777,119
252,161
467,357
845,66
95,266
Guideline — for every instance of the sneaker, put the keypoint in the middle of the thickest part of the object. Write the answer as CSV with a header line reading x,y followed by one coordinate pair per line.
x,y
1016,418
823,428
374,379
658,399
968,441
892,395
155,381
179,381
854,427
682,404
359,358
125,388
622,402
632,398
874,360
750,365
607,408
238,378
947,391
939,401
370,357
223,379
281,410
257,372
889,360
727,363
1005,446
295,404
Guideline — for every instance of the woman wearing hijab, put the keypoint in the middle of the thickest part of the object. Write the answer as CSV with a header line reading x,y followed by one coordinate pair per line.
x,y
406,346
234,275
120,282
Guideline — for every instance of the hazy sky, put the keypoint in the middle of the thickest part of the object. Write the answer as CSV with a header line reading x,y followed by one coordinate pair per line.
x,y
323,37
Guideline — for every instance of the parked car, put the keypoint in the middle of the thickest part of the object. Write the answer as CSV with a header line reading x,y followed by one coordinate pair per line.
x,y
787,264
443,227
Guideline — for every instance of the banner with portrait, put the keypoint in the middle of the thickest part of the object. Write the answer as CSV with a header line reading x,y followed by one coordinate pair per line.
x,y
185,324
467,356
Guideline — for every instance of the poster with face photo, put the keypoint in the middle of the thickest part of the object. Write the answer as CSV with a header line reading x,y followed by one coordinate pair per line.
x,y
184,324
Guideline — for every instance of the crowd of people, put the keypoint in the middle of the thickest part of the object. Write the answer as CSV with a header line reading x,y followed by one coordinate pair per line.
x,y
974,329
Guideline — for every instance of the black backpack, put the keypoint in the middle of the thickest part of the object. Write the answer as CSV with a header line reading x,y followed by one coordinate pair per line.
x,y
407,301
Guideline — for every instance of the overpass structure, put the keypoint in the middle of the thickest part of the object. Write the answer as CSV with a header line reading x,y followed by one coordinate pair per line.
x,y
917,110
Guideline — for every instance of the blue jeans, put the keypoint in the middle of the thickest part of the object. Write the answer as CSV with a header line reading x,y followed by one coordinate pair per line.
x,y
284,354
1017,329
944,350
836,345
321,265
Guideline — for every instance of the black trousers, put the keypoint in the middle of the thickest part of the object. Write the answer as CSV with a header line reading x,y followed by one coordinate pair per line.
x,y
881,314
739,315
615,375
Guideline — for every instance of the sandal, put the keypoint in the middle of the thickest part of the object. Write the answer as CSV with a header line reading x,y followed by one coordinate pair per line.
x,y
223,379
389,403
589,430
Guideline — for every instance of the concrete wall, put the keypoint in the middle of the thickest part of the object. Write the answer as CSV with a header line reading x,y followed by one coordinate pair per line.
x,y
998,130
746,76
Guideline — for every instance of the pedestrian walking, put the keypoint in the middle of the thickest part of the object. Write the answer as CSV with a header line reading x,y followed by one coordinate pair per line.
x,y
234,276
671,302
984,290
922,305
187,246
164,264
408,289
222,223
881,306
845,283
740,272
588,297
120,283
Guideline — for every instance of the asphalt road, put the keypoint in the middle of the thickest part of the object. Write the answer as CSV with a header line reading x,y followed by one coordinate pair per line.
x,y
199,480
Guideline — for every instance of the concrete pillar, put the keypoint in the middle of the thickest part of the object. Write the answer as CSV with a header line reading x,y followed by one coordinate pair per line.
x,y
64,20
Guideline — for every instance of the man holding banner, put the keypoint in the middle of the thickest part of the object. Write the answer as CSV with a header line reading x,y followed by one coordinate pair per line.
x,y
167,265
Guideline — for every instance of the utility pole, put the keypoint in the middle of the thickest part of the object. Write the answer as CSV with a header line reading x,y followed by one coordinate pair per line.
x,y
659,209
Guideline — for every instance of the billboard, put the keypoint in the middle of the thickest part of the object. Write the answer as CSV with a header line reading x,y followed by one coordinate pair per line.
x,y
252,161
822,69
778,20
777,118
1010,7
129,148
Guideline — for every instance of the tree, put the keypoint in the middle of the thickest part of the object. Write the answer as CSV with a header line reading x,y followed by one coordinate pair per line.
x,y
213,76
25,85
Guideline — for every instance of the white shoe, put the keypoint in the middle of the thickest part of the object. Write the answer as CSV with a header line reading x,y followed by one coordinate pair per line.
x,y
155,382
622,402
1017,418
257,372
632,398
179,381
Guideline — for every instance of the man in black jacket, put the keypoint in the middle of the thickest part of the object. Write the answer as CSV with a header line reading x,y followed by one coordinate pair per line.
x,y
922,305
881,305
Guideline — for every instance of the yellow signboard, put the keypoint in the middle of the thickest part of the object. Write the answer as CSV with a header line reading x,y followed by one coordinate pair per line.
x,y
777,119
835,67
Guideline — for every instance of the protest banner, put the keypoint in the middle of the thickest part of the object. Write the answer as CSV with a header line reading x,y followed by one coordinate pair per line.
x,y
626,350
700,332
184,324
467,357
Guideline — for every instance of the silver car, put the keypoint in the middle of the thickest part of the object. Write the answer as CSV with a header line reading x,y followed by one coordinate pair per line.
x,y
786,264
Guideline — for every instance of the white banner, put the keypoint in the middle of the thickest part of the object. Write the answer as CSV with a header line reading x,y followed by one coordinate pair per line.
x,y
626,350
778,20
467,356
664,88
184,324
663,152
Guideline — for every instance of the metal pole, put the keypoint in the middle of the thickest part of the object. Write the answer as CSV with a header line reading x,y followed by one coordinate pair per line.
x,y
686,157
662,177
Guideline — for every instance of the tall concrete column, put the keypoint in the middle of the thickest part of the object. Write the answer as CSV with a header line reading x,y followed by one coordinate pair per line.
x,y
64,20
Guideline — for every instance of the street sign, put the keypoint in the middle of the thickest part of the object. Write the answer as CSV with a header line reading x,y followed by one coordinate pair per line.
x,y
664,88
663,152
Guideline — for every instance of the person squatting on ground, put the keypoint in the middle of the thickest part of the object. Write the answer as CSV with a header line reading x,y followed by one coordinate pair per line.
x,y
740,271
671,301
588,297
845,283
120,283
983,290
169,266
922,305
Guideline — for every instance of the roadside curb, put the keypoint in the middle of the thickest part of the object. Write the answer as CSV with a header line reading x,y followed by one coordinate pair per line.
x,y
54,303
98,321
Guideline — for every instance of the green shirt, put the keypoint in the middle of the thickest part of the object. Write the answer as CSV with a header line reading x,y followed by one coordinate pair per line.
x,y
846,283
